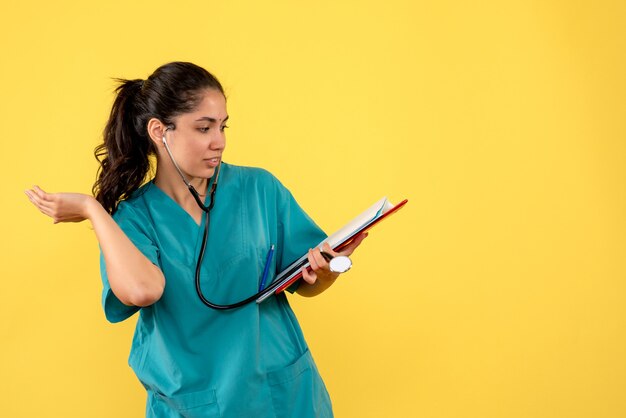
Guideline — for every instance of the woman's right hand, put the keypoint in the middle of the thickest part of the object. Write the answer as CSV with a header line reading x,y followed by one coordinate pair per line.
x,y
61,207
134,279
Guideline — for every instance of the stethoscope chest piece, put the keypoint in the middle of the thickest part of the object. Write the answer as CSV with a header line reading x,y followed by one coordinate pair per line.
x,y
340,264
337,264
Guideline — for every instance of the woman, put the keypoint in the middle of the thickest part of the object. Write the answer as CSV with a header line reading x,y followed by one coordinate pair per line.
x,y
196,361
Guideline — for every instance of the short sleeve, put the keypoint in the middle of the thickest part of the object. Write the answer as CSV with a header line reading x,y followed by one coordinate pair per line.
x,y
297,231
137,229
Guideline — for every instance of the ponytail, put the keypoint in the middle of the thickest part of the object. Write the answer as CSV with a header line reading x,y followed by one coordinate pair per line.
x,y
123,155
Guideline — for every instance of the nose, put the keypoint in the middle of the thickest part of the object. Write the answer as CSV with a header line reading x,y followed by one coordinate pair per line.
x,y
218,140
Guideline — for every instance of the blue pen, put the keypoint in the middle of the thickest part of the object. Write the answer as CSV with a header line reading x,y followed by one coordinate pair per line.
x,y
270,254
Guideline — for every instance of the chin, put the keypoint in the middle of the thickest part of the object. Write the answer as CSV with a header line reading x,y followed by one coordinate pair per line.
x,y
207,173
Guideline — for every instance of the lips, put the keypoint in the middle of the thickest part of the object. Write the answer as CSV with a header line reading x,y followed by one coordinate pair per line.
x,y
213,162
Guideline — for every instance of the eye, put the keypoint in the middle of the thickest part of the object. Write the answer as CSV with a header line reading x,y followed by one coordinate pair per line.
x,y
223,128
204,130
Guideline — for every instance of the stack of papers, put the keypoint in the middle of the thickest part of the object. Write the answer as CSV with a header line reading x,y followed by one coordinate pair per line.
x,y
337,241
358,224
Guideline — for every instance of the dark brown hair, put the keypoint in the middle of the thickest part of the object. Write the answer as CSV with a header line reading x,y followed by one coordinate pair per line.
x,y
173,89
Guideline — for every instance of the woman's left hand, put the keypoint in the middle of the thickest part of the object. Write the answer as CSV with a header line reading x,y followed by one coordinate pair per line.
x,y
319,273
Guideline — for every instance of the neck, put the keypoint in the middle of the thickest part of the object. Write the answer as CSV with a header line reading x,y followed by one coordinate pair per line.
x,y
169,181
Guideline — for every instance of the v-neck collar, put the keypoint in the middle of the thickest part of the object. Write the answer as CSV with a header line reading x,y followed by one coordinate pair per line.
x,y
169,200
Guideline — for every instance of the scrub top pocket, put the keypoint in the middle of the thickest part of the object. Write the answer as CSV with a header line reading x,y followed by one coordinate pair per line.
x,y
201,404
298,390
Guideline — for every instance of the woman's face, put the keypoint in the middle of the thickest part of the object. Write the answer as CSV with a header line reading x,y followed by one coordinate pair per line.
x,y
198,141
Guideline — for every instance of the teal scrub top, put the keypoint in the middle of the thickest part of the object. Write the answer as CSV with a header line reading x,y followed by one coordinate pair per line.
x,y
194,361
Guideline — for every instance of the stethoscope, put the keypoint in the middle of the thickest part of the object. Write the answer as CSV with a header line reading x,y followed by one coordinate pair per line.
x,y
339,264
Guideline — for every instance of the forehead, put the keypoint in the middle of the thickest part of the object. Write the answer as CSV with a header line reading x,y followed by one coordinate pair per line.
x,y
212,105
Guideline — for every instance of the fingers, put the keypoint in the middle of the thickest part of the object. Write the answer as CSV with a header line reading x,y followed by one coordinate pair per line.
x,y
309,276
326,248
349,249
42,208
35,199
30,197
318,263
39,196
42,201
319,267
45,197
317,260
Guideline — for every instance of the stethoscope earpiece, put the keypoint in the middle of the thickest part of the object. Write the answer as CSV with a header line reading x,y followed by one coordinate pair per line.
x,y
167,128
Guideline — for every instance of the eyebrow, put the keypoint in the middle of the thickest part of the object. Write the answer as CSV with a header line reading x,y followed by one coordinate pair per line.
x,y
212,120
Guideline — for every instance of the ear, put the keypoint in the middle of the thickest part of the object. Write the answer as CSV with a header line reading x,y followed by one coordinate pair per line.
x,y
156,130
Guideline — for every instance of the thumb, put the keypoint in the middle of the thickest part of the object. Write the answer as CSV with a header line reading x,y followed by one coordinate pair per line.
x,y
349,249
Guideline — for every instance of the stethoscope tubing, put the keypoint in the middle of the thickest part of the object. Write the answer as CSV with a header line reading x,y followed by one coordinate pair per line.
x,y
259,296
207,211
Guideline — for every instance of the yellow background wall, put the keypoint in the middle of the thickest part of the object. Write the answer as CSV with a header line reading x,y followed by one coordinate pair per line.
x,y
497,292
